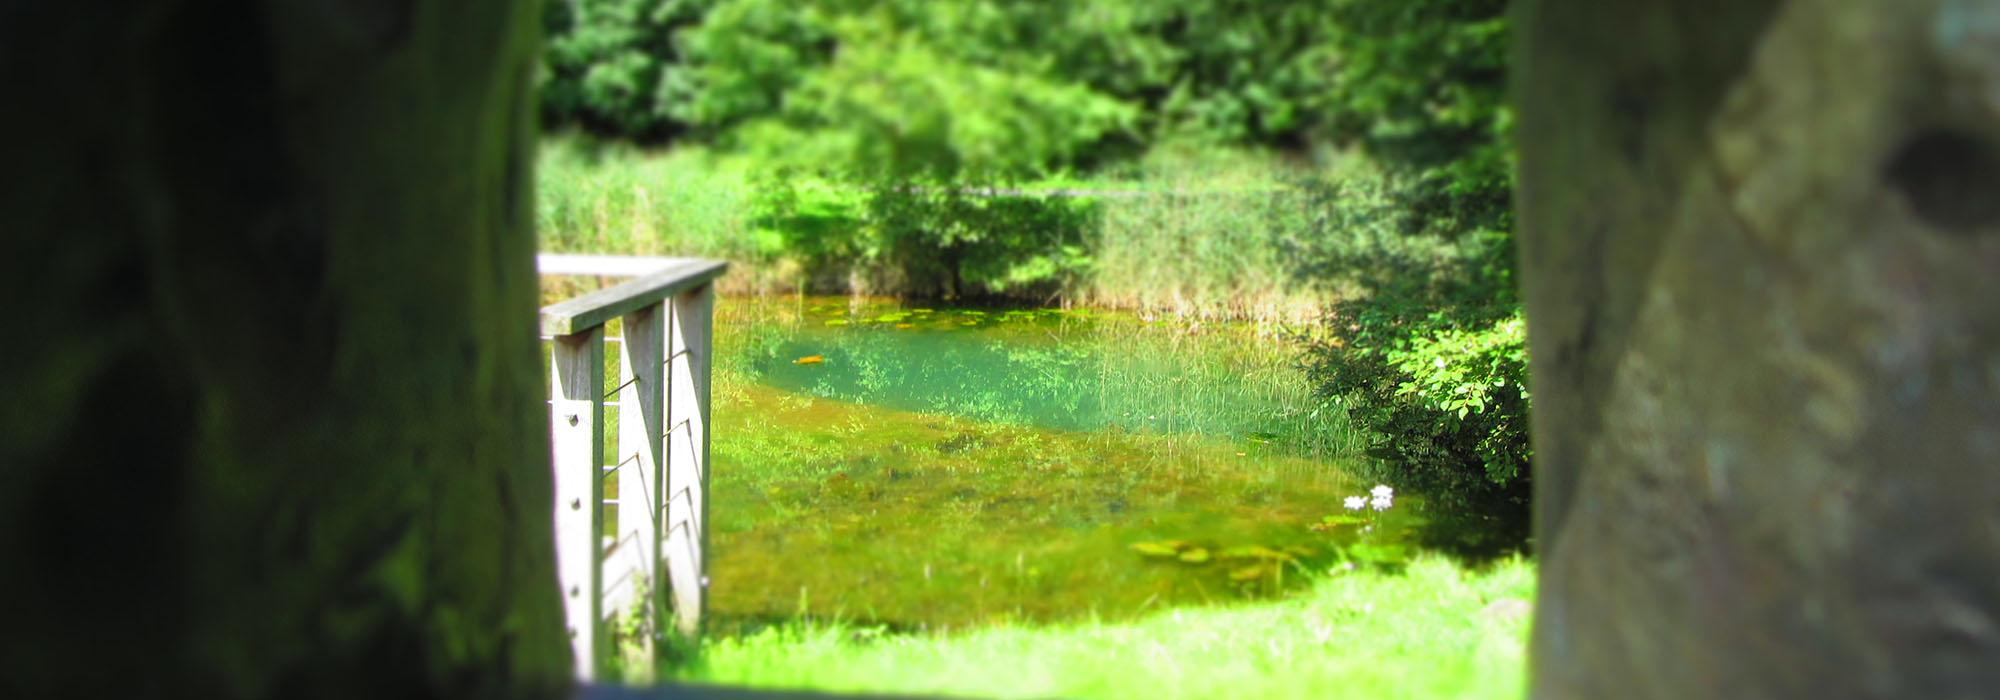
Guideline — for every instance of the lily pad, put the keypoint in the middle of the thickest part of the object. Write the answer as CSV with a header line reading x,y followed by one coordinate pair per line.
x,y
1155,549
1251,572
1195,555
1255,552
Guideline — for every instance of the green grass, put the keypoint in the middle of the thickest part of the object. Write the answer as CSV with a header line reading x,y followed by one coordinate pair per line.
x,y
1435,630
1216,239
611,198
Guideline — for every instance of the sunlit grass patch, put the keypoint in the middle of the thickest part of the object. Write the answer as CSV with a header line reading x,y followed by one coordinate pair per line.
x,y
1435,630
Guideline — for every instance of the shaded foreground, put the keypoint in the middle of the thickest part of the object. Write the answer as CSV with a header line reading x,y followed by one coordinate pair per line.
x,y
1435,630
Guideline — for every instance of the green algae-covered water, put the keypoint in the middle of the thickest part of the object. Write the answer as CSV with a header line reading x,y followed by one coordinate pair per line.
x,y
926,467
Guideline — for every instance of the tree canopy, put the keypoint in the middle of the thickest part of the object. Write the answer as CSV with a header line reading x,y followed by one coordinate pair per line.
x,y
1026,86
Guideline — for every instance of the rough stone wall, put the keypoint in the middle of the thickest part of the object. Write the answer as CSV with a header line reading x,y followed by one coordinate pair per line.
x,y
1760,243
272,417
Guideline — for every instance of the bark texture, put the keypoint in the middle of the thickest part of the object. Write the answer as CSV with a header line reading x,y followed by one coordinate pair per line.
x,y
1761,254
272,421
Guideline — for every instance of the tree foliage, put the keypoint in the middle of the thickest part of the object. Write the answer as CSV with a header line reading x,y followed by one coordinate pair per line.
x,y
1086,81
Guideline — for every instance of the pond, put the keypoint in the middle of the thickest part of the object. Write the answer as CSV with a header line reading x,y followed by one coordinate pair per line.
x,y
925,467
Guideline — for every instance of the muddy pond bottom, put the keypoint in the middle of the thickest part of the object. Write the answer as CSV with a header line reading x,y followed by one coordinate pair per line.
x,y
936,468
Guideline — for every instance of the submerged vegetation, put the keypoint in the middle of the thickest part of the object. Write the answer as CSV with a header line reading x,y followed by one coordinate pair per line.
x,y
956,467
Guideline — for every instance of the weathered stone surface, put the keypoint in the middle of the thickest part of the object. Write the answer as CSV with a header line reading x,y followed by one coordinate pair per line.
x,y
272,421
1761,252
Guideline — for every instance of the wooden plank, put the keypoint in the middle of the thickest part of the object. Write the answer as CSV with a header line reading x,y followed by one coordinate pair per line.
x,y
690,333
642,423
595,308
623,573
602,265
576,422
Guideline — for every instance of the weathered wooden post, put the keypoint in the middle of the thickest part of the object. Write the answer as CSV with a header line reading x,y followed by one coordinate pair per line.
x,y
642,407
687,463
1760,246
576,430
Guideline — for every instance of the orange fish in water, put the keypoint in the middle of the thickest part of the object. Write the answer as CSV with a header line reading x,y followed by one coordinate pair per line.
x,y
810,360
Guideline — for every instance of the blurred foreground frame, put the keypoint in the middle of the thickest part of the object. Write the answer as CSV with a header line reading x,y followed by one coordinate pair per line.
x,y
273,421
1759,250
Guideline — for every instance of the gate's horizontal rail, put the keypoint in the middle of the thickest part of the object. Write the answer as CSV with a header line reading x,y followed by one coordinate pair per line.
x,y
655,279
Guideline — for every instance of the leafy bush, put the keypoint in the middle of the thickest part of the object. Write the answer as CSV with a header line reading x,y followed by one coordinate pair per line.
x,y
943,239
953,239
1441,394
1428,352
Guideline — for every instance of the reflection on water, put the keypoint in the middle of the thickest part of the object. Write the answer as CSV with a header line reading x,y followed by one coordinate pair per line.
x,y
926,467
1055,369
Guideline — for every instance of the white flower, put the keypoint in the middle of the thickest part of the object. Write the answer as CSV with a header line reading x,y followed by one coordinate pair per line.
x,y
1382,491
1381,503
1357,502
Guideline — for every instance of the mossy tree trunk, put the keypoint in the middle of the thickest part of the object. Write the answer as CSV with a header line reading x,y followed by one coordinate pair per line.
x,y
272,421
1759,242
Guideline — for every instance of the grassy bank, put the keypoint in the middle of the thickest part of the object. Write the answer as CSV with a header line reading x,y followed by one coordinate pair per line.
x,y
1435,630
1191,232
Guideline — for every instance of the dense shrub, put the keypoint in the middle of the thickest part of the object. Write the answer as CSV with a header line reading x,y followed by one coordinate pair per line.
x,y
940,239
952,240
1447,398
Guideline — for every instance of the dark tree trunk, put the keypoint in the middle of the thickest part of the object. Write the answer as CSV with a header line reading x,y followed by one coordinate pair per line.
x,y
272,421
1759,248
